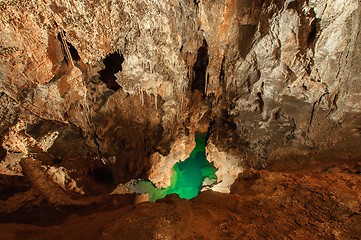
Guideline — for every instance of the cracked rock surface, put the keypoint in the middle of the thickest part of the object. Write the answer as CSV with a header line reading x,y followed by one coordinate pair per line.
x,y
278,74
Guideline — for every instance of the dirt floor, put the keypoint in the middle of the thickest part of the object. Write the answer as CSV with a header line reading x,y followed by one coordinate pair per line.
x,y
323,203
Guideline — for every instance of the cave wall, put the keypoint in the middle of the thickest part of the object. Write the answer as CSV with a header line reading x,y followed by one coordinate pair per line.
x,y
281,78
291,90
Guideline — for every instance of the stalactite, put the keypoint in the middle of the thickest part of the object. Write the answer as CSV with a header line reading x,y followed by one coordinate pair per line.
x,y
142,96
173,86
181,104
156,101
190,73
206,83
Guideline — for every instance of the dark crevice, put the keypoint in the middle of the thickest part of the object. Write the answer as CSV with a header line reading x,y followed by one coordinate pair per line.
x,y
309,29
246,36
260,101
12,185
222,73
102,176
224,127
57,161
311,118
222,81
312,36
308,68
73,52
292,5
277,114
334,101
196,3
304,87
200,69
2,153
113,64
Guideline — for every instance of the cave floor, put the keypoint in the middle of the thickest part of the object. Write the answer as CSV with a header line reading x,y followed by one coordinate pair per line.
x,y
322,203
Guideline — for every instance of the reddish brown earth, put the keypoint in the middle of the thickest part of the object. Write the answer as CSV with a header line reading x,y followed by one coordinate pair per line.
x,y
323,203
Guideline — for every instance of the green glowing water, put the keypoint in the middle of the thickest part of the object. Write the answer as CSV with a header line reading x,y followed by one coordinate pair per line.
x,y
188,176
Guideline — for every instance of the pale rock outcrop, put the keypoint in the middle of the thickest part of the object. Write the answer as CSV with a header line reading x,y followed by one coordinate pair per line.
x,y
228,167
162,166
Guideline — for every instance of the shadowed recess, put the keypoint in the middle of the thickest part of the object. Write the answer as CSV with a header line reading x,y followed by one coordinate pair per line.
x,y
72,50
200,68
113,64
102,175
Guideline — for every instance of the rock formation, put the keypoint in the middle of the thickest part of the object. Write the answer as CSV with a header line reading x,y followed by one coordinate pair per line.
x,y
96,92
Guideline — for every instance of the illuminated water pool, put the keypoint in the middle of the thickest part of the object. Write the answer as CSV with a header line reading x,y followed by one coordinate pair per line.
x,y
188,178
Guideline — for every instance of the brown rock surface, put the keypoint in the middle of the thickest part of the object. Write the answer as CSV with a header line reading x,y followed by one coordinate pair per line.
x,y
321,204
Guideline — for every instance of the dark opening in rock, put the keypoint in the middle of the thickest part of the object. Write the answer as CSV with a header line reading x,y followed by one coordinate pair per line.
x,y
292,5
113,64
2,153
222,73
102,175
72,50
57,160
200,68
313,32
11,185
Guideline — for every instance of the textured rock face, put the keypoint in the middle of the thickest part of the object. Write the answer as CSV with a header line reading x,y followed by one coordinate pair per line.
x,y
271,80
287,85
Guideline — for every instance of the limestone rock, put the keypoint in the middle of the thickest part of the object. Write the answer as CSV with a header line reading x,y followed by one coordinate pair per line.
x,y
272,79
